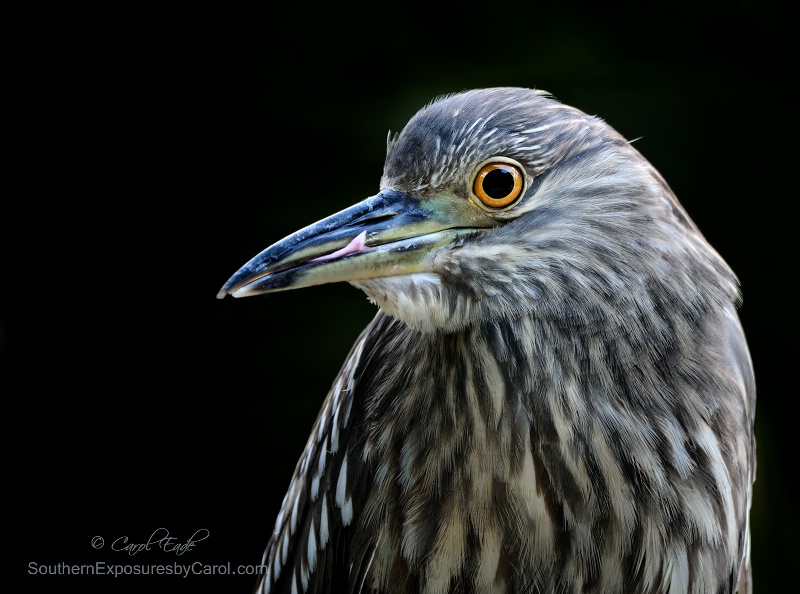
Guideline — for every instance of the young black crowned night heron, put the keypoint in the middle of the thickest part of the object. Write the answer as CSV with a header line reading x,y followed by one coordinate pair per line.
x,y
555,396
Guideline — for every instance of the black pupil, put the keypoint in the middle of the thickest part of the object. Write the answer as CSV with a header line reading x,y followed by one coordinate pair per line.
x,y
498,183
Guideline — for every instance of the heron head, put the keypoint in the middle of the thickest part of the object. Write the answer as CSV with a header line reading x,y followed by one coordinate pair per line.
x,y
495,203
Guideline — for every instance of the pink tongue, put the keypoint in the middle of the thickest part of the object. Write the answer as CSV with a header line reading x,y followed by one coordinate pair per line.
x,y
355,245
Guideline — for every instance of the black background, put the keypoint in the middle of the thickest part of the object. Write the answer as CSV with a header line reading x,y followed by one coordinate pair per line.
x,y
151,151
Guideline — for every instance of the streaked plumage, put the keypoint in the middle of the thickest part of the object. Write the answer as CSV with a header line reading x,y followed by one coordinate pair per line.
x,y
555,396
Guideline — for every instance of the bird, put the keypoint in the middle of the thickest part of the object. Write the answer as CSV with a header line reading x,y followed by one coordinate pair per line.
x,y
556,393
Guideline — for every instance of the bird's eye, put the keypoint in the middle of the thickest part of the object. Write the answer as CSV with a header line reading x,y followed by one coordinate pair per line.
x,y
498,184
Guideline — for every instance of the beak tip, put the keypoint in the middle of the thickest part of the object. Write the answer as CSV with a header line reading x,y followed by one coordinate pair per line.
x,y
235,290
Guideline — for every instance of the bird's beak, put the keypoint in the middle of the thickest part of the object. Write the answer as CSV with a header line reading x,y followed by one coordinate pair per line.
x,y
386,235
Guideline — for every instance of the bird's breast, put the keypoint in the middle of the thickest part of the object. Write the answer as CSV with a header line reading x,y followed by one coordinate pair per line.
x,y
506,460
455,498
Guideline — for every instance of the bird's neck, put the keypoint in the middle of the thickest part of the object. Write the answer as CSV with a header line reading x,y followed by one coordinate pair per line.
x,y
446,437
528,419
